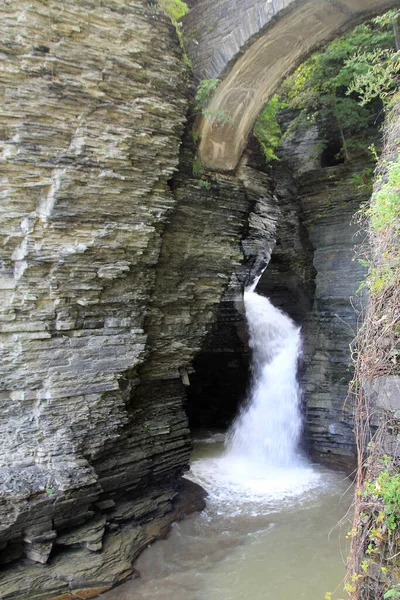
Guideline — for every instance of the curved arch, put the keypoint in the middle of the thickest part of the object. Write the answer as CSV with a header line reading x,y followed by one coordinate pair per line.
x,y
256,74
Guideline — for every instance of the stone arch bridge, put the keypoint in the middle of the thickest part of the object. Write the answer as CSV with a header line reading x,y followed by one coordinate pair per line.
x,y
252,45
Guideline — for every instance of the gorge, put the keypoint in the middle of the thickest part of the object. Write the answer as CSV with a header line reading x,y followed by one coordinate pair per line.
x,y
123,269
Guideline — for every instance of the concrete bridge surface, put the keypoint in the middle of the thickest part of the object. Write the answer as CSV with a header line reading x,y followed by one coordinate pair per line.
x,y
252,45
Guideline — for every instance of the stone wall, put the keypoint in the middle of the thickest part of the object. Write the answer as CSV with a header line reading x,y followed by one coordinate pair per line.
x,y
215,32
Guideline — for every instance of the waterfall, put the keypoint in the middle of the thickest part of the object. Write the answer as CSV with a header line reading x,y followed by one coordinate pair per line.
x,y
267,430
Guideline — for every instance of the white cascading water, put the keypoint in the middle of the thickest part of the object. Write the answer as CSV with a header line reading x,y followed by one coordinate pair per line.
x,y
268,428
260,465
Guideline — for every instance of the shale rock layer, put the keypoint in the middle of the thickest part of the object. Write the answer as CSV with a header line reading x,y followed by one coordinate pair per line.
x,y
90,130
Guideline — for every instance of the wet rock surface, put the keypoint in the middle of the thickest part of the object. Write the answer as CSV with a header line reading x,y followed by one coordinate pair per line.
x,y
329,200
84,573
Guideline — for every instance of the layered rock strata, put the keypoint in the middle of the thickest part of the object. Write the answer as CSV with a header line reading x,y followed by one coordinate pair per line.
x,y
329,200
113,270
90,134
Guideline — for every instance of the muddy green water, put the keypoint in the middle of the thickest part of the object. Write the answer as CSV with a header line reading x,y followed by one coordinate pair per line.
x,y
272,535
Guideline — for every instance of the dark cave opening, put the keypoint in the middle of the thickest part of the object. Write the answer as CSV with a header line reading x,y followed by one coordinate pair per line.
x,y
331,155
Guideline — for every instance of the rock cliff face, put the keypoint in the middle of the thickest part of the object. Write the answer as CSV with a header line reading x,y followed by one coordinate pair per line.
x,y
314,275
221,369
329,200
93,108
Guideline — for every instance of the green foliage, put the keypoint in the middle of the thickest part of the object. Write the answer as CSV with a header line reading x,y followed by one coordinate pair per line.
x,y
387,488
195,136
364,263
373,152
267,129
376,75
376,72
204,184
205,91
219,116
387,18
198,172
385,207
383,215
197,168
380,278
204,94
176,9
364,180
392,593
323,88
365,565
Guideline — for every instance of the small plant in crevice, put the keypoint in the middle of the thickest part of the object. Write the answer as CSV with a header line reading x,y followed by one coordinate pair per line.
x,y
147,426
197,168
204,184
195,136
176,9
202,99
204,93
364,180
198,174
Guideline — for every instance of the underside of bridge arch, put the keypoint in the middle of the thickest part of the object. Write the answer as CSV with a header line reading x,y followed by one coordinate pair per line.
x,y
256,48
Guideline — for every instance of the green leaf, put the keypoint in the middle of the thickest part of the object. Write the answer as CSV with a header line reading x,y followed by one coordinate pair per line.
x,y
392,594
